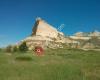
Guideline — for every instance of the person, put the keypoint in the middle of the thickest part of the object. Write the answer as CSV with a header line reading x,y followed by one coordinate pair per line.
x,y
39,50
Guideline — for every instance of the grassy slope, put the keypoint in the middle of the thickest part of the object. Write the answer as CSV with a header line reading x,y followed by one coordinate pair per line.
x,y
57,64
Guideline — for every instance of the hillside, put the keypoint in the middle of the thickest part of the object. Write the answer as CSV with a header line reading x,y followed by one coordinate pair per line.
x,y
47,36
58,64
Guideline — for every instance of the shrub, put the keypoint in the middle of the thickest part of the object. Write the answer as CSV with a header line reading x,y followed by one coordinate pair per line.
x,y
24,58
15,49
0,49
8,49
23,47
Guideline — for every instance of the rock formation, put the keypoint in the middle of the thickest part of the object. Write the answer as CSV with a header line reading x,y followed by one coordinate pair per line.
x,y
41,28
44,35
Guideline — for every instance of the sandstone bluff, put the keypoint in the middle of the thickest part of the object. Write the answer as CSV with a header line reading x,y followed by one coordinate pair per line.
x,y
46,36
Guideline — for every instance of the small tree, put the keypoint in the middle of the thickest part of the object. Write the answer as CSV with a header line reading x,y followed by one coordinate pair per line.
x,y
23,47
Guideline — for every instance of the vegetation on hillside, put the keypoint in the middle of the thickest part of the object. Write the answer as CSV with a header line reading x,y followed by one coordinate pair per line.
x,y
56,64
23,47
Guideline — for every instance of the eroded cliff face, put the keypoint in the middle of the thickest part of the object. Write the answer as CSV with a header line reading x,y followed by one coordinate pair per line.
x,y
45,35
41,28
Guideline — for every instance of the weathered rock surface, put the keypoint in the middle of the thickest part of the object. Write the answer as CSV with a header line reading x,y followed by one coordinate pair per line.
x,y
45,35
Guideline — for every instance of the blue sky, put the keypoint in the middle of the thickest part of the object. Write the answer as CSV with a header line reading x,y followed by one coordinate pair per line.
x,y
17,17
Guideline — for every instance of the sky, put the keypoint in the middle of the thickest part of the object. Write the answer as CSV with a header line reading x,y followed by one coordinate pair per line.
x,y
17,17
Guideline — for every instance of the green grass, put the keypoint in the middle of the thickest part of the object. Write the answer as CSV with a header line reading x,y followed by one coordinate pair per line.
x,y
59,64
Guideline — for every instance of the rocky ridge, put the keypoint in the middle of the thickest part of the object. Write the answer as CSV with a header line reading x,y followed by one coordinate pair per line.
x,y
46,36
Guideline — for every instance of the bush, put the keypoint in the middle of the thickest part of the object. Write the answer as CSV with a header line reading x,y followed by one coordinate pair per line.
x,y
8,49
0,49
15,49
24,58
23,47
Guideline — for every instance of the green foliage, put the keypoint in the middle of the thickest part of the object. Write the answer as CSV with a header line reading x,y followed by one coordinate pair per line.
x,y
8,49
23,47
68,64
0,49
24,58
15,49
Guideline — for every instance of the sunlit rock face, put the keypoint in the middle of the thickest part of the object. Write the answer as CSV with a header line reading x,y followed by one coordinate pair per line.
x,y
44,35
41,28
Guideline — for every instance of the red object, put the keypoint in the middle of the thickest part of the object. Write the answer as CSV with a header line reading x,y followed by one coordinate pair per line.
x,y
39,50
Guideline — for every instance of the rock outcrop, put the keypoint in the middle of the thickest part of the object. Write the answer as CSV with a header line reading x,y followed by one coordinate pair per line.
x,y
89,40
45,35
